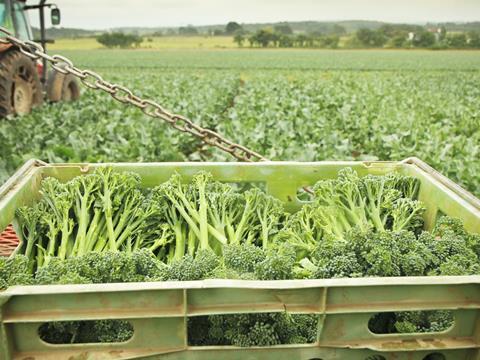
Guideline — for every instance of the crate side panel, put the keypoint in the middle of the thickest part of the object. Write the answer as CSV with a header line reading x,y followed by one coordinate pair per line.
x,y
231,300
402,298
84,306
343,330
150,336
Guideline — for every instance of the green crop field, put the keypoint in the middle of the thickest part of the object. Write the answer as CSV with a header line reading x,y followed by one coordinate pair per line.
x,y
286,104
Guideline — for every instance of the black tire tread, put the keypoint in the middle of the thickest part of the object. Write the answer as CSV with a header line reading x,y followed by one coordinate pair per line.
x,y
8,61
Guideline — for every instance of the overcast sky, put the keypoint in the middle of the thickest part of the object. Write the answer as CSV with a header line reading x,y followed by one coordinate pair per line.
x,y
104,14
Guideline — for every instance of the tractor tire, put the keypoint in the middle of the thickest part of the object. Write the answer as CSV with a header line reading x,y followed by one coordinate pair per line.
x,y
20,86
62,87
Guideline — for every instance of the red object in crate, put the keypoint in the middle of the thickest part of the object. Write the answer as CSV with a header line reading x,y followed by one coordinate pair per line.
x,y
8,241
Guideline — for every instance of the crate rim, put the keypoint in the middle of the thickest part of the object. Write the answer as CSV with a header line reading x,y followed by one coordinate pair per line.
x,y
240,284
33,164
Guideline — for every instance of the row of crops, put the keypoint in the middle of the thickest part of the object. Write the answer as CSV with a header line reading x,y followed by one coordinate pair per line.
x,y
285,115
254,59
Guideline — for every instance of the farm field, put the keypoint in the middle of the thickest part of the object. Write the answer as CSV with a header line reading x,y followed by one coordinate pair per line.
x,y
300,105
154,42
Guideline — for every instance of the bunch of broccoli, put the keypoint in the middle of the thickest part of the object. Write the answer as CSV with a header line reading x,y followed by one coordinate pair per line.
x,y
103,211
105,227
208,215
109,211
448,250
353,203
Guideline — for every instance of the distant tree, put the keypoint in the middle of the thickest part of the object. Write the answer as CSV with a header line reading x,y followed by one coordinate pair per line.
x,y
285,41
371,38
399,40
239,37
423,39
301,40
218,32
262,37
232,27
457,41
329,41
283,29
187,30
118,39
474,39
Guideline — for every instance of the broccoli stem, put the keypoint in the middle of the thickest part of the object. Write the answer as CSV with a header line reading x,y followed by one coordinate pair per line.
x,y
242,223
110,231
374,206
398,227
67,229
202,218
179,241
192,243
40,256
93,229
82,209
52,240
31,240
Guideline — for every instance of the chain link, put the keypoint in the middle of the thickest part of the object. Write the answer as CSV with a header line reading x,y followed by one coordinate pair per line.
x,y
124,95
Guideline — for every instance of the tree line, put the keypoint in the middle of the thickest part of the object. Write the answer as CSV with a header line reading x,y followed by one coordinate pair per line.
x,y
387,36
282,36
411,36
119,40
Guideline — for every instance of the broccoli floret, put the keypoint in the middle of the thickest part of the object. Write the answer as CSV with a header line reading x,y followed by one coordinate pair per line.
x,y
112,331
423,321
202,331
243,258
335,259
447,225
264,329
108,267
459,264
237,329
192,268
411,322
15,271
370,253
98,331
278,264
297,328
260,334
452,251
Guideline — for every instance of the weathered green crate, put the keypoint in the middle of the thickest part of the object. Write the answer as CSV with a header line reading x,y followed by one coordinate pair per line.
x,y
159,311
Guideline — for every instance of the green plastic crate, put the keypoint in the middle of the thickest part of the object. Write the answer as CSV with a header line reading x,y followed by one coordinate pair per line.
x,y
159,311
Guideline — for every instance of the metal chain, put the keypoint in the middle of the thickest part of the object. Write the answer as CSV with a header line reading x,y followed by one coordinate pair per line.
x,y
124,95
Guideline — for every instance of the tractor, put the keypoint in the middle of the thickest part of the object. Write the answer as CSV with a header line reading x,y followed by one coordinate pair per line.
x,y
26,83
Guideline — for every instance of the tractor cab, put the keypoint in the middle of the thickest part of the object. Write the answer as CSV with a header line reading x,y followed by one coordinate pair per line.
x,y
25,83
14,19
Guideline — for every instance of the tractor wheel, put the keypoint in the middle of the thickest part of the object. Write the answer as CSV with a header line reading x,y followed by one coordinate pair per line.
x,y
62,87
20,87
